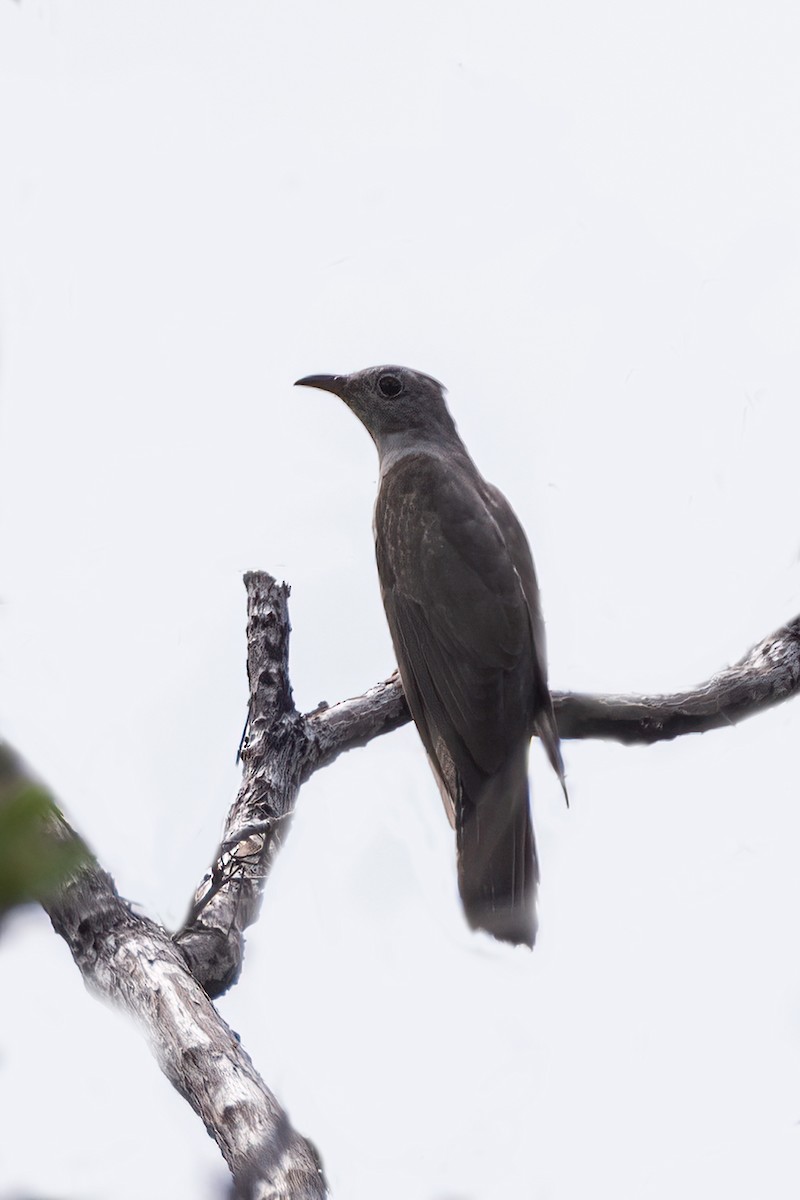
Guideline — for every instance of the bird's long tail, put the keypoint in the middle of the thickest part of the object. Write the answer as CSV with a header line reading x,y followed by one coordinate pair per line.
x,y
498,872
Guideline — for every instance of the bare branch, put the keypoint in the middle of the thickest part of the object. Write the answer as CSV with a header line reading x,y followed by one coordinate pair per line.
x,y
132,962
330,730
768,674
283,750
229,897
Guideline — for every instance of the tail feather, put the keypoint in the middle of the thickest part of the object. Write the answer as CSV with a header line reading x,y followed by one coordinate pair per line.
x,y
498,872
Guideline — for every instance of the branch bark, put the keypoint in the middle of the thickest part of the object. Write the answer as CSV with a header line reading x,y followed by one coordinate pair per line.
x,y
766,675
274,750
132,962
279,753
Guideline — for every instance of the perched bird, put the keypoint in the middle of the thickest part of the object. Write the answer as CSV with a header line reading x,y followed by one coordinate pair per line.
x,y
462,605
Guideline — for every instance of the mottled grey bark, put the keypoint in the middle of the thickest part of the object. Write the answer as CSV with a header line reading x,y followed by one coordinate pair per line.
x,y
766,675
273,753
133,963
280,751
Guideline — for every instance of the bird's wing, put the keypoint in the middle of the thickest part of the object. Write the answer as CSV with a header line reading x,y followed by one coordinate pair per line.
x,y
544,717
457,612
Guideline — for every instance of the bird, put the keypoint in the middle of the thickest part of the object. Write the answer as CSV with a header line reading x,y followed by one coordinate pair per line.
x,y
462,604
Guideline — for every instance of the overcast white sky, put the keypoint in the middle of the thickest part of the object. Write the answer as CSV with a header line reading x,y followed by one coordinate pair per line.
x,y
585,220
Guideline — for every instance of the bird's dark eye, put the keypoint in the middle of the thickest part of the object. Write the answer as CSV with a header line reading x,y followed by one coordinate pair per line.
x,y
389,385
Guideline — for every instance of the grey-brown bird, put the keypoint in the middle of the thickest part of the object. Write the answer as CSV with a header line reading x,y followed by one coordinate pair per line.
x,y
462,603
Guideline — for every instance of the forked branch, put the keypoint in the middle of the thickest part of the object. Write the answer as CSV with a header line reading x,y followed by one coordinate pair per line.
x,y
284,749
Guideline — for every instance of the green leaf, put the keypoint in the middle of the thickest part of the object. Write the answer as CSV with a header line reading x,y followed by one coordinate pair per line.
x,y
33,861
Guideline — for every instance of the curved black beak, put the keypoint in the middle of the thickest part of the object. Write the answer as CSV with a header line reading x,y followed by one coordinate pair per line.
x,y
328,383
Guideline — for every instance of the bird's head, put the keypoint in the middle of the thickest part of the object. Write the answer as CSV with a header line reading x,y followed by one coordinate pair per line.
x,y
390,400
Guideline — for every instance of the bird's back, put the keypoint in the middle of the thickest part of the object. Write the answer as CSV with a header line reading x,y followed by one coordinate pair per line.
x,y
456,605
459,612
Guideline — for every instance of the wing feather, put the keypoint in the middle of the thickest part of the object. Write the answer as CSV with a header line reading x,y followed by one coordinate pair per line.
x,y
458,614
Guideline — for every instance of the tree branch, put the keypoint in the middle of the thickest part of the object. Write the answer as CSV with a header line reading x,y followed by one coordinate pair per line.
x,y
284,749
767,674
273,753
351,724
132,962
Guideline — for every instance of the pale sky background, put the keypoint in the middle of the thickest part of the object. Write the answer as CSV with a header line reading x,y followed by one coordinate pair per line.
x,y
585,219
